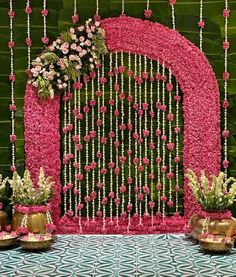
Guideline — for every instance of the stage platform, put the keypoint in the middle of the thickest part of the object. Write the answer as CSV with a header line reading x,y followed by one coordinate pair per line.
x,y
117,255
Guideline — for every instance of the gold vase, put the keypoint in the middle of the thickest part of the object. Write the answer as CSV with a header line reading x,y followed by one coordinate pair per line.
x,y
36,222
223,227
3,219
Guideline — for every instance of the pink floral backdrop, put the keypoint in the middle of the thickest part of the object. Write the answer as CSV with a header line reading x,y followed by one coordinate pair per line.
x,y
201,107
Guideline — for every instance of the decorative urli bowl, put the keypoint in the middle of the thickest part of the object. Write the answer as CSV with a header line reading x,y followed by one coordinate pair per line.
x,y
8,239
35,242
216,243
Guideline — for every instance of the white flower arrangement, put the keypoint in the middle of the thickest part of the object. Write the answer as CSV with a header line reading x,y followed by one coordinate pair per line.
x,y
24,192
72,55
214,193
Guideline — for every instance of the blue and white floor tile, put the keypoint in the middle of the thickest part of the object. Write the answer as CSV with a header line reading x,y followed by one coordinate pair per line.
x,y
125,256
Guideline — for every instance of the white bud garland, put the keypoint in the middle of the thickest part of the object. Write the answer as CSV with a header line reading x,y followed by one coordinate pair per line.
x,y
117,139
225,147
136,131
140,136
28,34
145,137
201,29
158,142
69,150
122,132
87,150
151,134
45,19
65,155
163,143
103,146
13,149
75,152
111,140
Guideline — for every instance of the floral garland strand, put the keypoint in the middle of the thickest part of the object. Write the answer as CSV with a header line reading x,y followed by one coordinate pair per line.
x,y
75,16
104,141
140,140
44,13
136,132
151,144
87,138
12,78
116,142
130,181
226,75
163,138
148,11
177,159
122,127
111,135
28,40
201,25
75,164
97,17
65,154
70,155
158,134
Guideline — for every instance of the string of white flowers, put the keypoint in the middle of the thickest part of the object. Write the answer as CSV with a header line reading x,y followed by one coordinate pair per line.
x,y
44,19
201,29
122,7
87,150
49,218
12,110
117,139
170,136
75,7
75,152
145,137
69,149
28,34
24,221
130,142
173,15
97,7
136,131
140,137
163,142
148,4
177,152
99,138
225,149
79,157
158,141
151,134
122,131
65,155
93,149
111,140
103,146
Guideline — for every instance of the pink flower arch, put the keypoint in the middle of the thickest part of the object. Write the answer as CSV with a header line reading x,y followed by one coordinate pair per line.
x,y
201,103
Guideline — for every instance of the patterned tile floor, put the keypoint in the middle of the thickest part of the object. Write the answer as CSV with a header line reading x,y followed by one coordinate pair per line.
x,y
144,256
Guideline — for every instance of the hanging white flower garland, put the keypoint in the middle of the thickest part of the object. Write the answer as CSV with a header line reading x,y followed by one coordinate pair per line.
x,y
12,78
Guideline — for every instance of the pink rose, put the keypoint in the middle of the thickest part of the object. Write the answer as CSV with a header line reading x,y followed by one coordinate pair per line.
x,y
11,44
80,206
140,196
99,185
163,198
44,12
28,10
201,24
148,13
45,40
111,194
28,41
13,138
80,176
226,13
151,204
122,189
11,14
75,18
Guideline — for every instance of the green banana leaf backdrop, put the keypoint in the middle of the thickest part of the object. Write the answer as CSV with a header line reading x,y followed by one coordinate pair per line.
x,y
59,18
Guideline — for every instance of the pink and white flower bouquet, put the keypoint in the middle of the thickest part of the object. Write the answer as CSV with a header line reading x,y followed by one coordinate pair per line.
x,y
75,53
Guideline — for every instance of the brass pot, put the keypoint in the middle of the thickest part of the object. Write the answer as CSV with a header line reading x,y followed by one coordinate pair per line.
x,y
3,219
223,227
36,222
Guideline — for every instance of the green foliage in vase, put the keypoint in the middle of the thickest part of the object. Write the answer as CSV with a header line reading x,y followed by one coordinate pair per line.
x,y
24,192
214,194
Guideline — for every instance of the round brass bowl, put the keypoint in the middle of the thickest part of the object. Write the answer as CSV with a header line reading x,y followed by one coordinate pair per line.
x,y
34,245
8,242
215,245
